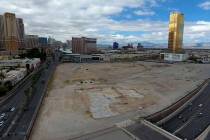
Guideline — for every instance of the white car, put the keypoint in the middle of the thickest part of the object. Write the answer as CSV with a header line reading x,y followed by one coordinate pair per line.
x,y
2,115
200,105
200,114
12,109
1,123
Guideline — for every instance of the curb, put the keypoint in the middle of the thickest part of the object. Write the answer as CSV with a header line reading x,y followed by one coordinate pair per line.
x,y
129,133
160,130
204,134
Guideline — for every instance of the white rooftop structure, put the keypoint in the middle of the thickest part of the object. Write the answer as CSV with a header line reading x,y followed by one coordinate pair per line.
x,y
175,57
19,62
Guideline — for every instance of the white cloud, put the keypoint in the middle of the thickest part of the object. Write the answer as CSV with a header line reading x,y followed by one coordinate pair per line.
x,y
144,13
66,18
205,5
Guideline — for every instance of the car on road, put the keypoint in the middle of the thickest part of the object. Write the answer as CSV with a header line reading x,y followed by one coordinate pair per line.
x,y
12,109
1,123
2,115
200,114
200,105
180,117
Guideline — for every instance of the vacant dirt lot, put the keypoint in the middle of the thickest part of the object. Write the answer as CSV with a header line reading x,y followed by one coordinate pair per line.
x,y
86,97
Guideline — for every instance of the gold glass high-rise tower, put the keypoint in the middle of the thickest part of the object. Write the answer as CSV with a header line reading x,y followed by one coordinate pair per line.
x,y
176,30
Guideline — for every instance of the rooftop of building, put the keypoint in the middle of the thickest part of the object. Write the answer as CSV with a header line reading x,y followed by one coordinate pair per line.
x,y
176,12
84,38
9,14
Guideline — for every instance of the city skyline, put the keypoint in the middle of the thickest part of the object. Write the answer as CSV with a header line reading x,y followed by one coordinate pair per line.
x,y
118,20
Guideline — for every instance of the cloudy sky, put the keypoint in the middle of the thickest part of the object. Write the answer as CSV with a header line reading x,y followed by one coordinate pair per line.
x,y
111,20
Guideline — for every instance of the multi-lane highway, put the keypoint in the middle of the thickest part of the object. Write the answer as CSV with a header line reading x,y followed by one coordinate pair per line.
x,y
14,103
19,131
193,119
16,122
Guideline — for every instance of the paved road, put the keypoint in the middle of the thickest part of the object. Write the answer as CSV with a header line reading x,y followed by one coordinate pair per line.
x,y
139,130
15,101
113,133
19,129
207,137
143,132
18,132
193,119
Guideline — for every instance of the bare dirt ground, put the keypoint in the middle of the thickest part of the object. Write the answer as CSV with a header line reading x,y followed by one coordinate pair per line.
x,y
86,97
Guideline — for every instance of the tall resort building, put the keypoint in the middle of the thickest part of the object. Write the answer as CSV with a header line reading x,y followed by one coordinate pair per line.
x,y
176,30
21,32
11,32
1,33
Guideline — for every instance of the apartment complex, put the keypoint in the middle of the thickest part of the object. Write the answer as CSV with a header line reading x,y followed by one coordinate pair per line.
x,y
31,41
84,45
176,30
1,32
43,42
21,31
11,32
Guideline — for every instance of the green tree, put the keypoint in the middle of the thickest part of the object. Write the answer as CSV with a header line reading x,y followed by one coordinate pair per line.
x,y
3,90
8,84
35,53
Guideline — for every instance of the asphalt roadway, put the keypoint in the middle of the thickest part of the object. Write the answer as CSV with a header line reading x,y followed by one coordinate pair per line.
x,y
193,119
19,129
207,137
16,102
113,133
133,132
144,132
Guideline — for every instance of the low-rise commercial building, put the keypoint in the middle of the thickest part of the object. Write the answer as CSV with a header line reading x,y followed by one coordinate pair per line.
x,y
68,56
12,77
43,41
174,57
32,63
31,41
84,45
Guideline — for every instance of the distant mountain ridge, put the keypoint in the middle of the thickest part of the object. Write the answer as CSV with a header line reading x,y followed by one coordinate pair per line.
x,y
162,45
